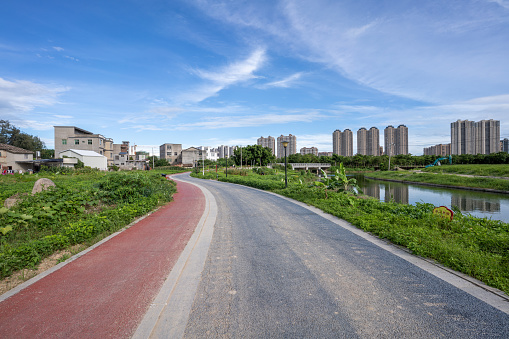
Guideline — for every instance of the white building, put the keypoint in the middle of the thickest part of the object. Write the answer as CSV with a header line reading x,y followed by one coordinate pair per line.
x,y
209,153
89,158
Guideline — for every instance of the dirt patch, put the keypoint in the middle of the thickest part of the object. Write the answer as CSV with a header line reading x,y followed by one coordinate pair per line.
x,y
21,276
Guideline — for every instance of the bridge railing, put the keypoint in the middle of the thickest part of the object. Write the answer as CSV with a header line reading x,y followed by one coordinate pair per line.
x,y
306,165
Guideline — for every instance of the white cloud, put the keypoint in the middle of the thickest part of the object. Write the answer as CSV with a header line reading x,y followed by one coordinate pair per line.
x,y
286,82
71,58
432,51
59,49
229,75
251,120
23,96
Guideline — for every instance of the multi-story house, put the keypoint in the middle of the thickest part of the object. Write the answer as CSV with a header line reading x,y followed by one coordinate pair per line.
x,y
190,156
71,137
171,152
14,159
209,153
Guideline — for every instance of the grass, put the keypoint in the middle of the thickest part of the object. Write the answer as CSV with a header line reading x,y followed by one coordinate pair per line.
x,y
83,208
444,179
477,247
482,170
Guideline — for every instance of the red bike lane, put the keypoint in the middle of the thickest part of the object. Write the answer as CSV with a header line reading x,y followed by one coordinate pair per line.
x,y
106,292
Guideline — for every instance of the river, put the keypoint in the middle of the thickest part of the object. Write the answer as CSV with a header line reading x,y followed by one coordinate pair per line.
x,y
479,204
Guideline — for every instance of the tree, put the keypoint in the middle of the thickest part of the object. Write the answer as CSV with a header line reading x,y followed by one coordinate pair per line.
x,y
253,154
11,135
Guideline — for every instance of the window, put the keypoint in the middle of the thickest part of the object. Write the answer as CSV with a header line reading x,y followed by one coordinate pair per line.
x,y
0,154
64,141
175,153
26,156
100,141
90,141
76,141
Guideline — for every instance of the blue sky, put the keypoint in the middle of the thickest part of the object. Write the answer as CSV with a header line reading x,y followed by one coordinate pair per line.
x,y
208,73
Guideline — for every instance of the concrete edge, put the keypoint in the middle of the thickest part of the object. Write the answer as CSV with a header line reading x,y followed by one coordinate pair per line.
x,y
55,268
472,286
168,314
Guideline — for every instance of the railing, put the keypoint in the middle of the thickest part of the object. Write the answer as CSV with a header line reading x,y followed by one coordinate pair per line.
x,y
306,165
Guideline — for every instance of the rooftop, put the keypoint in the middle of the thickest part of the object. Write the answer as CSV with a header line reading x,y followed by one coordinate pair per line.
x,y
14,149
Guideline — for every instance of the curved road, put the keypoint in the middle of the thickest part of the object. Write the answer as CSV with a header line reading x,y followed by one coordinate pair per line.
x,y
277,269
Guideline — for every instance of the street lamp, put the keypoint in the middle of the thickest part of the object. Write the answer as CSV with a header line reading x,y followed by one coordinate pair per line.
x,y
389,147
285,144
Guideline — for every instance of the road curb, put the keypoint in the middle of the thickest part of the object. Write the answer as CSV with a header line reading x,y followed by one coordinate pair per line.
x,y
168,314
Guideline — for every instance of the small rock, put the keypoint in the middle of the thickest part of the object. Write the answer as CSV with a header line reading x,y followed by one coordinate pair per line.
x,y
10,202
42,184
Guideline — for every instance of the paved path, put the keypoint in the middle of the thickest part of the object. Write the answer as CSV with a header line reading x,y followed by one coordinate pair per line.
x,y
106,292
280,269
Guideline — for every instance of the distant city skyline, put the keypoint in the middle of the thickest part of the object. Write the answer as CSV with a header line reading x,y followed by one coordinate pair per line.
x,y
209,73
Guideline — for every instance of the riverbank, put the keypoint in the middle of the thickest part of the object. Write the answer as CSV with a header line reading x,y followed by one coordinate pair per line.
x,y
473,183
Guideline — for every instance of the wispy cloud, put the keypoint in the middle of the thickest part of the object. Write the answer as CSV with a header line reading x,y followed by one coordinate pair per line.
x,y
286,82
503,3
234,73
428,51
23,96
59,49
250,120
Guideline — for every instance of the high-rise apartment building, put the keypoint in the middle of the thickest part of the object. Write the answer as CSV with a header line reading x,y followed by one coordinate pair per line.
x,y
269,142
396,140
440,149
504,145
368,141
290,149
469,137
309,150
342,142
362,141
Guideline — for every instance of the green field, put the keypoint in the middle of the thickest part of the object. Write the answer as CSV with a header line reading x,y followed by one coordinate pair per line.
x,y
482,170
477,247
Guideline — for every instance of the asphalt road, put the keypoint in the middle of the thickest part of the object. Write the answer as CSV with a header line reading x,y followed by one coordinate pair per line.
x,y
275,269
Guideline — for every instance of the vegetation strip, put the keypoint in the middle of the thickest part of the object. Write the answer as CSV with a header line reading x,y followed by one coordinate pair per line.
x,y
478,247
85,207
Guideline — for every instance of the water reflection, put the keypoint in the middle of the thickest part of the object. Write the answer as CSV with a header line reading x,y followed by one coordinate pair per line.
x,y
469,204
396,193
480,204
